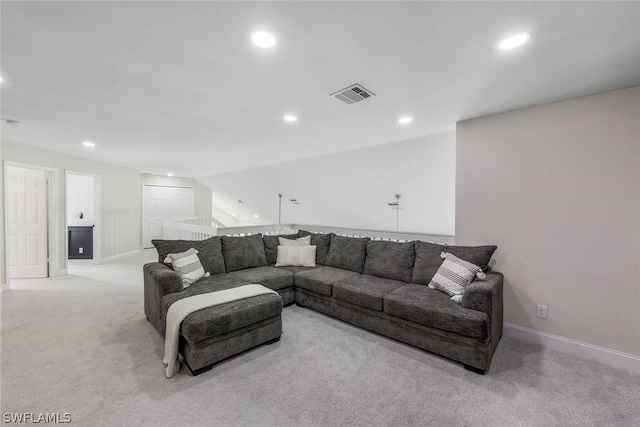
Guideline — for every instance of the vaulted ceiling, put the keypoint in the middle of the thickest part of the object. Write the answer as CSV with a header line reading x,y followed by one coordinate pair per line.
x,y
179,87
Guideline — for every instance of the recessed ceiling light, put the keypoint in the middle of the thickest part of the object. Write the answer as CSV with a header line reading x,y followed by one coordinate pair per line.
x,y
290,118
255,216
169,174
263,39
89,144
405,120
514,41
1,79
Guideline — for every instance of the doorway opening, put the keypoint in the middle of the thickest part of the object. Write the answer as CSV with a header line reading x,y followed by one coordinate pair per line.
x,y
82,195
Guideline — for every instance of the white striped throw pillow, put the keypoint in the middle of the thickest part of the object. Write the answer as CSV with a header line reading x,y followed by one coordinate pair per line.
x,y
454,275
188,266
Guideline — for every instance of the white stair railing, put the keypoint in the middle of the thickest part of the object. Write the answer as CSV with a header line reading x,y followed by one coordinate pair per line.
x,y
200,228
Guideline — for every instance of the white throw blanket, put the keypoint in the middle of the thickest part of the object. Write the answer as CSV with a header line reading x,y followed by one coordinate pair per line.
x,y
184,307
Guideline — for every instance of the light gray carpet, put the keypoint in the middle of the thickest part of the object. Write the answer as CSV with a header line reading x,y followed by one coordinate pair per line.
x,y
81,344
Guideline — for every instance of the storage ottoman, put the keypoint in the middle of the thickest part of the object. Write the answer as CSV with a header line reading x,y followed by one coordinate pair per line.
x,y
213,334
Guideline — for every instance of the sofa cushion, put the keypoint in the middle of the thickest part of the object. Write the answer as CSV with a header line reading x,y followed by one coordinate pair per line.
x,y
427,261
347,253
295,269
365,291
243,252
271,246
299,256
433,308
478,255
188,266
219,319
391,260
321,242
321,279
209,251
428,258
218,282
270,277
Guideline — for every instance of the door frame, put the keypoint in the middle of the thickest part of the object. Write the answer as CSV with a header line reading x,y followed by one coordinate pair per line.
x,y
97,209
53,219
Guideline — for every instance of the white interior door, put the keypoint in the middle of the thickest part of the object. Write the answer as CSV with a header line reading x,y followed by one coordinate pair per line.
x,y
160,203
27,222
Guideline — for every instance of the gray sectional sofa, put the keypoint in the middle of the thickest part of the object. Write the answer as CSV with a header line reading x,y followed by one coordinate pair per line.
x,y
380,286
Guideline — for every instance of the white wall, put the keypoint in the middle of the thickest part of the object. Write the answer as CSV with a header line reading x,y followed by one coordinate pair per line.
x,y
351,189
80,199
120,196
557,188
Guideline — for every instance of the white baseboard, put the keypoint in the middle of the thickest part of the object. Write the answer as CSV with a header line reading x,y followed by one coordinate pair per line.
x,y
119,256
81,262
614,358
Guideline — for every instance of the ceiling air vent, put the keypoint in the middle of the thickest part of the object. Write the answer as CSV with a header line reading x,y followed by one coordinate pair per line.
x,y
352,94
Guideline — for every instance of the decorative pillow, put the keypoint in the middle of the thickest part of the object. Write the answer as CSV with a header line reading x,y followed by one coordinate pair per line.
x,y
391,260
243,252
347,253
321,242
428,258
271,244
454,275
188,265
296,256
302,241
209,252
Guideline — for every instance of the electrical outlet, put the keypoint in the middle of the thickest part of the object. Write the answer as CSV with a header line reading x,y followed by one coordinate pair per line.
x,y
81,251
541,311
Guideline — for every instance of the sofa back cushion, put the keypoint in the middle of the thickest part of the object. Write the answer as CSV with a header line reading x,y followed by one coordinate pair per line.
x,y
243,252
321,242
209,252
271,246
347,253
428,258
391,260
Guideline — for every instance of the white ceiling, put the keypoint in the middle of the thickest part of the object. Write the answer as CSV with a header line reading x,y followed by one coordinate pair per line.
x,y
178,86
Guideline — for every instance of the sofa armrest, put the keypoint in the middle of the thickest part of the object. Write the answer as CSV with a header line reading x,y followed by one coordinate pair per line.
x,y
486,296
481,294
159,280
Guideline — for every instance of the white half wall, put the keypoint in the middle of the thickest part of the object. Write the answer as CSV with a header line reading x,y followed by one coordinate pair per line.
x,y
351,189
557,188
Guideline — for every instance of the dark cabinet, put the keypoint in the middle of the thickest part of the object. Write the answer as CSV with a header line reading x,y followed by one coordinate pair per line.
x,y
81,242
